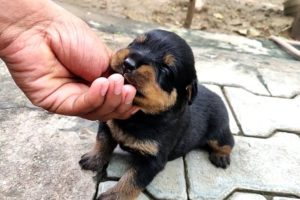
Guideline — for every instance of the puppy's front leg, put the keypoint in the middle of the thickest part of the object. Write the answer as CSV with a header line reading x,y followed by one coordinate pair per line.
x,y
135,180
99,156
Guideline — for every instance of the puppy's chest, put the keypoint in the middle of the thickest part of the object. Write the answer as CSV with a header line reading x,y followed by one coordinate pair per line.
x,y
133,144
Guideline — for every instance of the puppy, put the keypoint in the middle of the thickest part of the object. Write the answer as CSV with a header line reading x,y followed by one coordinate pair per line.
x,y
176,114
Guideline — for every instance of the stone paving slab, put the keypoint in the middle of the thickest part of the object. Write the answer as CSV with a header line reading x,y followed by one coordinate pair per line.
x,y
215,67
261,116
169,184
233,126
104,186
258,74
246,196
39,156
284,198
269,165
281,76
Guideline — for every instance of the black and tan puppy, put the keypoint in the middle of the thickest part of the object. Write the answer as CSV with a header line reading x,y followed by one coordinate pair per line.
x,y
177,114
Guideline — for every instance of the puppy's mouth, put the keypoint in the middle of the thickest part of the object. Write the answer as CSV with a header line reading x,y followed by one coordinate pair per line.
x,y
129,78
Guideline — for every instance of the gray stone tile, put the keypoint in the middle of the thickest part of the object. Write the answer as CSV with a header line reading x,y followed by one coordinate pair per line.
x,y
246,196
104,186
233,126
281,76
260,116
221,68
270,165
40,153
168,184
118,164
285,198
3,69
258,74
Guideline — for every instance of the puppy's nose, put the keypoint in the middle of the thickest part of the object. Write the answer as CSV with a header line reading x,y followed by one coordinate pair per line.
x,y
129,65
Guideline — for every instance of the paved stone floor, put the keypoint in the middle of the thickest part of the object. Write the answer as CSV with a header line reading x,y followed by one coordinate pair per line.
x,y
259,83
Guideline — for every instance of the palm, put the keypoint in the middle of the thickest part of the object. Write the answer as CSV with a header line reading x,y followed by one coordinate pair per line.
x,y
56,67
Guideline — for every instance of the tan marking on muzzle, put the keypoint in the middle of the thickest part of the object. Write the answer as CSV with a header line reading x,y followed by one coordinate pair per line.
x,y
118,58
155,99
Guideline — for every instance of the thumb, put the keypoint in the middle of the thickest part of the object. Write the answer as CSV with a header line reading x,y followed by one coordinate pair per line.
x,y
92,98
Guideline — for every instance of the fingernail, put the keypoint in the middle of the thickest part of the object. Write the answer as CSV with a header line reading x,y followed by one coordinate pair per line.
x,y
118,88
128,100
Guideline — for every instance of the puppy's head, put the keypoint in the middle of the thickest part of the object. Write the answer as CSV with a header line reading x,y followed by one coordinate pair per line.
x,y
160,65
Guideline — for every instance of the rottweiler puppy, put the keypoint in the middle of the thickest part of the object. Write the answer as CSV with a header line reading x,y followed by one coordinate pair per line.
x,y
176,114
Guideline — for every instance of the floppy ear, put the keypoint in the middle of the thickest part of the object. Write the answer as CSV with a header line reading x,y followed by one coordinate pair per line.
x,y
192,91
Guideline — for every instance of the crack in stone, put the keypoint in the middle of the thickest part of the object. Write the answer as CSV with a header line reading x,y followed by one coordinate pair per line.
x,y
262,81
72,129
232,111
294,96
264,193
277,131
149,195
98,178
283,130
187,184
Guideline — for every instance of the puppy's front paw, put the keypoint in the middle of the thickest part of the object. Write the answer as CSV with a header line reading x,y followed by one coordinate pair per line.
x,y
220,160
91,161
108,196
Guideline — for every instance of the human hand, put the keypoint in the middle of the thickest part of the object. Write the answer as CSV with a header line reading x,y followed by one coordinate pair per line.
x,y
56,60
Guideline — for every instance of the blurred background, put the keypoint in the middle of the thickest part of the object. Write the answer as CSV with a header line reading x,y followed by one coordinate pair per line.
x,y
251,18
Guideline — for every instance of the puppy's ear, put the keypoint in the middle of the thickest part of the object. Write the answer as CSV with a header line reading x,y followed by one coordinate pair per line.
x,y
192,91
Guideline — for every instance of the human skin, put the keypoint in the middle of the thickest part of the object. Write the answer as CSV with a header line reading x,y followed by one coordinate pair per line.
x,y
59,62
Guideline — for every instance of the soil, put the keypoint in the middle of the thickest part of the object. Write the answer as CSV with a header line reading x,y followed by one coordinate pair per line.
x,y
251,18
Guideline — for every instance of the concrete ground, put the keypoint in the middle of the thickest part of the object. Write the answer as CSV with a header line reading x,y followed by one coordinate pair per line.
x,y
259,83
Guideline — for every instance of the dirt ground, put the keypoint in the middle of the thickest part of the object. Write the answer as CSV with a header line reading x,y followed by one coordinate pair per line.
x,y
252,18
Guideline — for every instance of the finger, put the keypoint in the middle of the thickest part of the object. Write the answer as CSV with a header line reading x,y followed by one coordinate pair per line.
x,y
125,109
112,100
128,93
97,92
93,98
127,114
114,94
